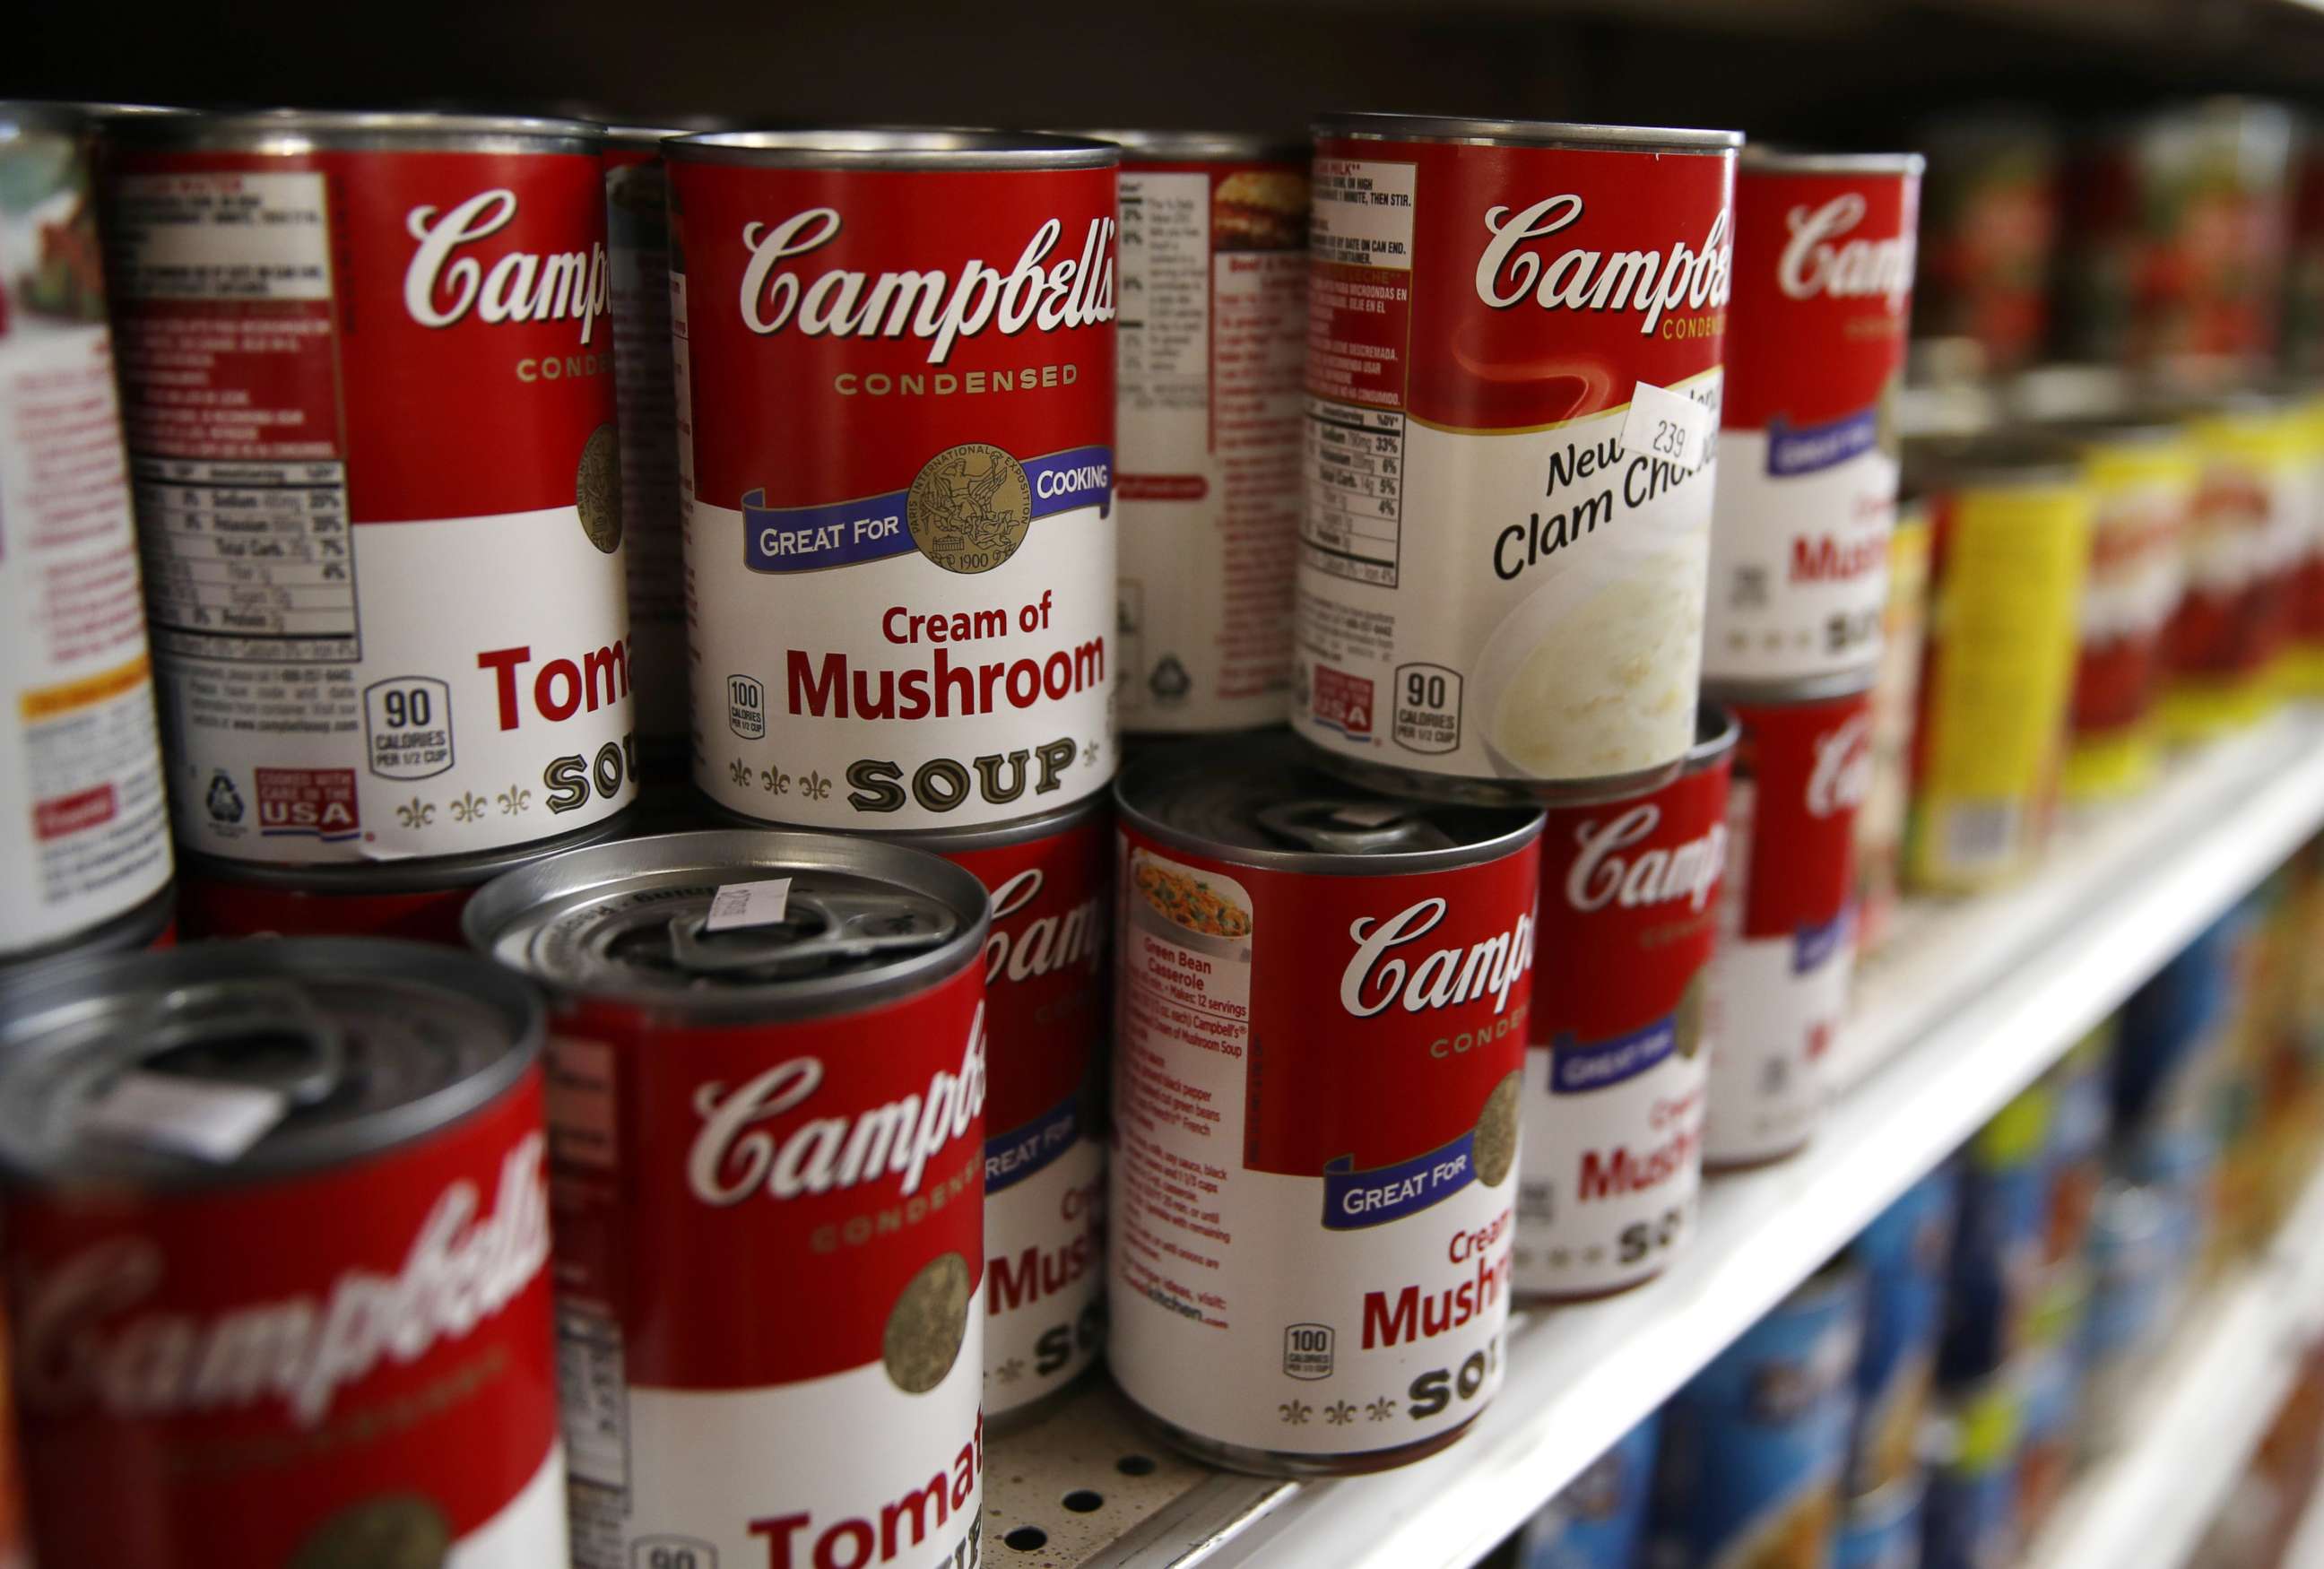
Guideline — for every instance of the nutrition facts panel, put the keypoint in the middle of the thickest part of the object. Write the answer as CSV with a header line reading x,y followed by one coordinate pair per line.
x,y
1165,273
249,561
1354,523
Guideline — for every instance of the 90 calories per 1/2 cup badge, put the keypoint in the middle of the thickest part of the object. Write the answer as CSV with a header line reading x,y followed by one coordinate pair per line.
x,y
1513,381
896,388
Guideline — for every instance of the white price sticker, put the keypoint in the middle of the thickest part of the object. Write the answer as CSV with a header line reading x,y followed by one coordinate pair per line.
x,y
1668,425
212,1121
748,904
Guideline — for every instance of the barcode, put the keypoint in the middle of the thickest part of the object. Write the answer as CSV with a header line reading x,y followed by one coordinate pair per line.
x,y
1977,835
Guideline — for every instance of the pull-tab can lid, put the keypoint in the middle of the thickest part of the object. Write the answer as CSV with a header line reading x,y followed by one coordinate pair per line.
x,y
864,922
366,1044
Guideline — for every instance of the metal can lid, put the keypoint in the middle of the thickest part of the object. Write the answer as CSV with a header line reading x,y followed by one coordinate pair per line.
x,y
2001,459
1390,127
412,875
937,147
1147,146
1716,732
1261,802
863,922
295,131
22,116
1759,157
368,1044
1780,693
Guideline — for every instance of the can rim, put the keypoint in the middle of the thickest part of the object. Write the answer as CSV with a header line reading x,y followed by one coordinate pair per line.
x,y
447,970
1149,146
894,147
1759,157
1380,126
296,130
1777,691
517,900
995,835
1317,862
19,116
421,874
1717,733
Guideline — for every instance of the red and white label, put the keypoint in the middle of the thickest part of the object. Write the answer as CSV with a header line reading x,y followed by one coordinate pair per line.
x,y
1807,478
1615,1074
1315,1086
370,407
1045,970
1481,318
1213,347
770,1241
2137,576
84,826
1786,937
637,250
896,442
2252,526
280,1373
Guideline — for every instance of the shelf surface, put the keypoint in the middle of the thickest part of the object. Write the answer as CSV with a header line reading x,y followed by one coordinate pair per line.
x,y
1971,1000
2208,1402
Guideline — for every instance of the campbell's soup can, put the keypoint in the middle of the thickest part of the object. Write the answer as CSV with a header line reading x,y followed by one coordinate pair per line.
x,y
1045,969
417,899
369,388
1514,346
1755,1446
1988,235
1210,412
1319,1042
2142,476
2304,662
1619,1057
638,274
896,373
769,1186
1905,1253
2253,524
2010,521
1896,692
1598,1519
279,1243
1808,440
82,793
1787,945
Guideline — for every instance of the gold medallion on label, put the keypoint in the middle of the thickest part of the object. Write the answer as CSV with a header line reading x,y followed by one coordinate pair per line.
x,y
927,1325
597,489
1497,1132
398,1531
969,508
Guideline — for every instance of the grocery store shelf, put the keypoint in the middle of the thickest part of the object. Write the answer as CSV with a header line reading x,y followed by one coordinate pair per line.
x,y
2203,1413
1974,999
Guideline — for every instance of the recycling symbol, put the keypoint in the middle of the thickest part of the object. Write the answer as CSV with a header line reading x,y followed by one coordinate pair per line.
x,y
225,802
1170,681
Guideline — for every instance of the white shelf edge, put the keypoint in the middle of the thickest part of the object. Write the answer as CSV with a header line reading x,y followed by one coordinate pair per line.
x,y
1990,993
2205,1407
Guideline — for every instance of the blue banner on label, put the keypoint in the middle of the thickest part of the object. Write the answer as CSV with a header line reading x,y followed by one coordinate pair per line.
x,y
1577,1067
1011,1157
1354,1199
1813,446
1814,945
873,528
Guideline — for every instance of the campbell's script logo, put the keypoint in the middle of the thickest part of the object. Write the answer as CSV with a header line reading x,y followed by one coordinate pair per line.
x,y
1603,875
1047,943
1066,292
446,280
1817,260
1651,282
1842,775
86,1339
1377,976
733,1157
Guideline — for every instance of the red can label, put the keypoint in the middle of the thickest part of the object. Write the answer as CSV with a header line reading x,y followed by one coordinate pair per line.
x,y
1807,486
369,407
1316,1091
1786,938
897,444
221,906
1044,1163
298,1371
770,1241
1615,1074
1482,320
